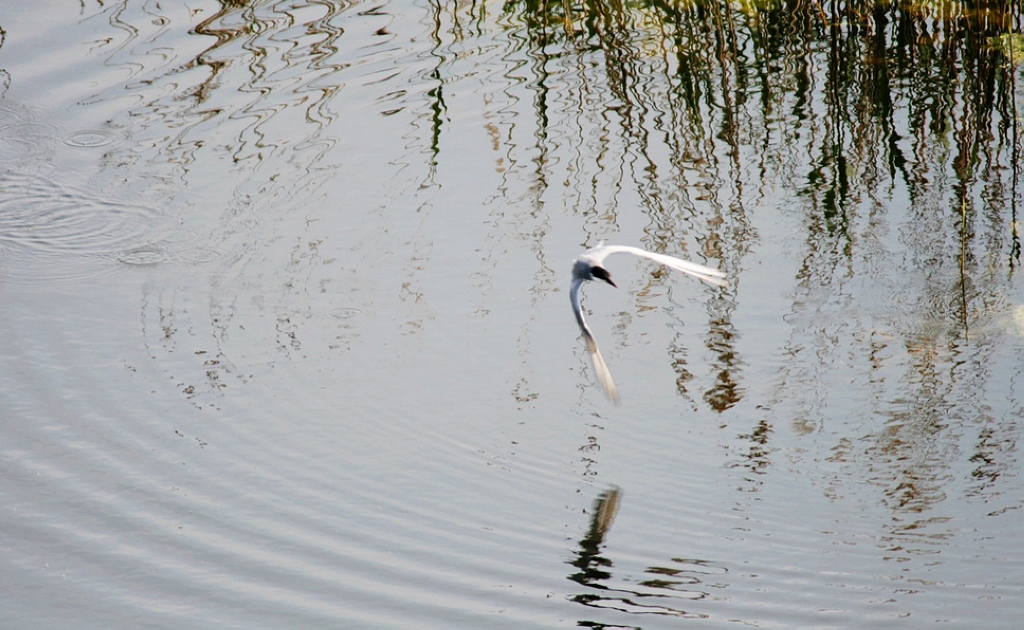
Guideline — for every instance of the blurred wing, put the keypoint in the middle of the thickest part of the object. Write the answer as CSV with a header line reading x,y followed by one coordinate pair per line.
x,y
604,376
707,274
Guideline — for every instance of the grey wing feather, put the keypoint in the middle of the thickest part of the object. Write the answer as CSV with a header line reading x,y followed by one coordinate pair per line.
x,y
604,375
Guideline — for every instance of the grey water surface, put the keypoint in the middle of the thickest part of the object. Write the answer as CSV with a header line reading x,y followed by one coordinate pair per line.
x,y
285,336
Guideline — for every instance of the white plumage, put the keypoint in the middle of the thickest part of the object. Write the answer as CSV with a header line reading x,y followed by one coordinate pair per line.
x,y
589,265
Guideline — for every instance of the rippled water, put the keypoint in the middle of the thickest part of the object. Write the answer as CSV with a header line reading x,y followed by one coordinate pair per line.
x,y
285,335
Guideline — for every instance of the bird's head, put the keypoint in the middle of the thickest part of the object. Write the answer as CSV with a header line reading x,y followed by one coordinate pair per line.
x,y
602,273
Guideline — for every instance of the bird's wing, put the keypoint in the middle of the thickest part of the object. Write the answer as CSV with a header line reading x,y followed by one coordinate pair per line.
x,y
577,309
604,375
707,274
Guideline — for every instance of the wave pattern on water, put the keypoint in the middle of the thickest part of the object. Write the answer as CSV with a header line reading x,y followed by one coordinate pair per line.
x,y
335,529
52,231
49,227
326,374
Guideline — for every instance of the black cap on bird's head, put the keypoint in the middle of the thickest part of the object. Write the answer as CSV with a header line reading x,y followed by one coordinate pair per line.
x,y
602,273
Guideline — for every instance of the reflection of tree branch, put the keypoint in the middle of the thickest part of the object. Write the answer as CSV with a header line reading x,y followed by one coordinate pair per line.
x,y
756,460
436,93
870,46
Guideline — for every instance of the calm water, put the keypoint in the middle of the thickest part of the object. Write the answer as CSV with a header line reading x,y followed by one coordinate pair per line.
x,y
285,335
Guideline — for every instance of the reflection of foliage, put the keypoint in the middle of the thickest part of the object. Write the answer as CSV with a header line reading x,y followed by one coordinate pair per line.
x,y
838,101
1010,45
896,126
942,62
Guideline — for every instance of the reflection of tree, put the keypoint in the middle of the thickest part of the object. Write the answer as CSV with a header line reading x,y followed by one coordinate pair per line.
x,y
245,98
871,86
872,96
258,74
647,98
853,107
757,459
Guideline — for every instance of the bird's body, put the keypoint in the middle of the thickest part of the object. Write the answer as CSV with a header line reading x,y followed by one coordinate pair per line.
x,y
589,266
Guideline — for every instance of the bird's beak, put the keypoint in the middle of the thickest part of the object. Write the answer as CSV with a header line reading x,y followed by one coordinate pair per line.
x,y
602,273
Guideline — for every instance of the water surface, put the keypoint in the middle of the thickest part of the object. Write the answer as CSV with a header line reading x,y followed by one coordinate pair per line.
x,y
285,334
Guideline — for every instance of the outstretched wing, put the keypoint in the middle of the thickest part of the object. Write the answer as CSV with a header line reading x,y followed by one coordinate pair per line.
x,y
604,375
707,274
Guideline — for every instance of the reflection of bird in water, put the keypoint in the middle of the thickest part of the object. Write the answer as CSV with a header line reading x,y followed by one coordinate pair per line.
x,y
668,591
588,266
589,559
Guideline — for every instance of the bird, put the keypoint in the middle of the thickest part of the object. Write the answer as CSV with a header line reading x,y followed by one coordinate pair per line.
x,y
590,265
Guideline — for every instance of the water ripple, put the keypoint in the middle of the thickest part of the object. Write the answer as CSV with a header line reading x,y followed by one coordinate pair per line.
x,y
143,256
90,138
43,221
26,144
198,255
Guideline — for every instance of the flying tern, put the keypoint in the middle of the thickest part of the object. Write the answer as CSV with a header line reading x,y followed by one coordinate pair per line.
x,y
589,265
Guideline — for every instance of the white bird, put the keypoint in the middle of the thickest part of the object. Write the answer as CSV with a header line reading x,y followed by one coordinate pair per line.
x,y
588,266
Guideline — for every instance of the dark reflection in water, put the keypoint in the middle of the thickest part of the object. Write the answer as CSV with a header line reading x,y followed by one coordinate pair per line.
x,y
588,558
683,579
868,87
